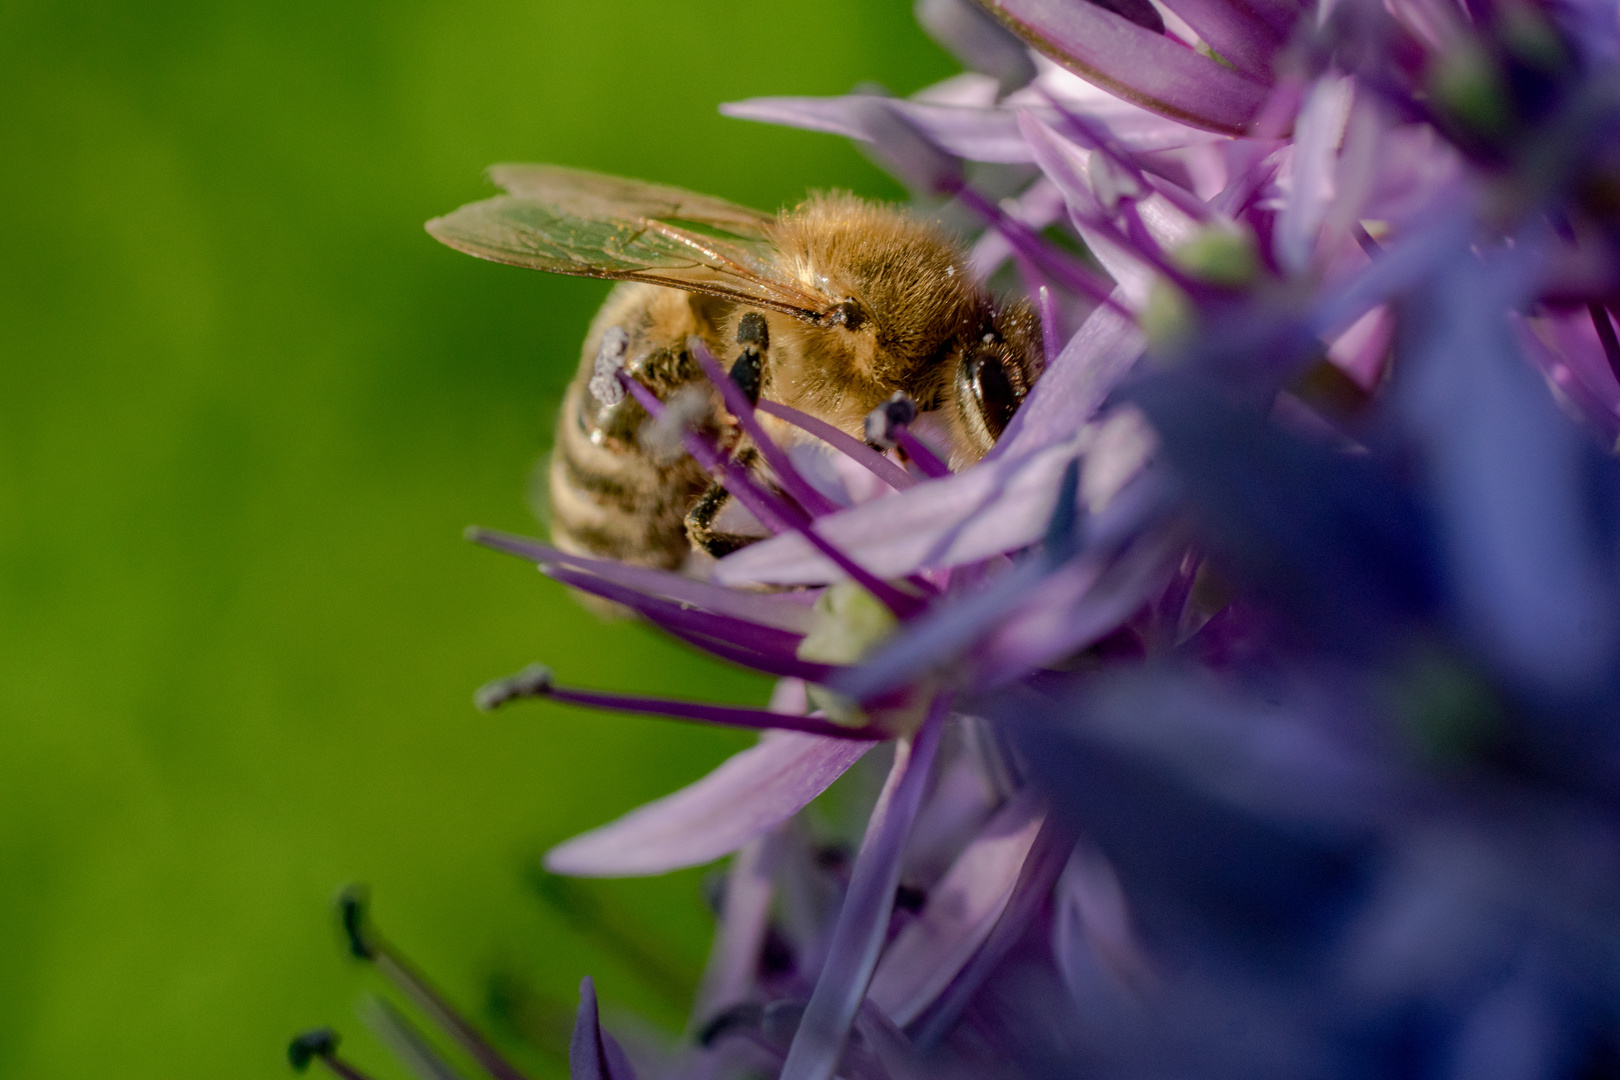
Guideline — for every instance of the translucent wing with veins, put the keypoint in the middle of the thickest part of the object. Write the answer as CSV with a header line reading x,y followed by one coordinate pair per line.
x,y
573,222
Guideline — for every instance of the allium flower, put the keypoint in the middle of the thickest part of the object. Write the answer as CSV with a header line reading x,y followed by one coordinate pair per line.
x,y
1253,704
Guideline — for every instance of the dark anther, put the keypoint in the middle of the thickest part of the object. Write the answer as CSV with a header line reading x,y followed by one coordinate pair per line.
x,y
751,330
847,314
910,898
833,858
881,421
748,373
352,914
321,1042
532,681
713,889
744,1017
1063,531
776,955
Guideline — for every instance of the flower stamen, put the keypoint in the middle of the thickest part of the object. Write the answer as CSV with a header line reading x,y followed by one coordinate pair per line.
x,y
535,681
366,944
770,509
888,426
321,1044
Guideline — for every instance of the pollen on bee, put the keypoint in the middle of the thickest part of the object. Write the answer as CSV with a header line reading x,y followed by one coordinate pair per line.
x,y
661,436
604,383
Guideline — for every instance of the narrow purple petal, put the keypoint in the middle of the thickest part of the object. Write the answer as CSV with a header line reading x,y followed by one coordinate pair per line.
x,y
593,1054
679,618
961,911
740,935
1130,261
937,640
745,797
781,665
1153,70
1235,31
701,712
977,134
1128,126
864,918
974,133
1505,465
1081,607
1446,234
749,607
1317,134
813,501
992,508
1042,865
977,40
1092,937
1032,614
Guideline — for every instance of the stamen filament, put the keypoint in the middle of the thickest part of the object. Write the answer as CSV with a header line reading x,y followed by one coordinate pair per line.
x,y
773,513
753,636
771,510
1052,337
365,944
1096,138
783,667
1061,268
321,1044
796,486
843,441
535,681
675,588
920,454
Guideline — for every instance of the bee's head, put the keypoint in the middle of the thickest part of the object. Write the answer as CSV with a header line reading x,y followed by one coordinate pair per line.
x,y
907,317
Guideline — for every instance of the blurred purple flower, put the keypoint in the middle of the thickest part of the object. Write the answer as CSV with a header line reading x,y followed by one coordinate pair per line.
x,y
1253,703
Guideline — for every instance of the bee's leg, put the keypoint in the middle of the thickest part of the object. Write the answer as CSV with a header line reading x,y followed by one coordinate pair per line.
x,y
700,524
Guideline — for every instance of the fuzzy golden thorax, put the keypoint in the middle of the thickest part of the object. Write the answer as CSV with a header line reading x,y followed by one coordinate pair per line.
x,y
915,305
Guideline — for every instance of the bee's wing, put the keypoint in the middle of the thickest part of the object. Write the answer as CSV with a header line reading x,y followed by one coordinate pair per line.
x,y
571,222
588,194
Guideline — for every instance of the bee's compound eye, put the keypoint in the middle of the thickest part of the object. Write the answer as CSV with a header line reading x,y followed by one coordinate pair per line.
x,y
992,391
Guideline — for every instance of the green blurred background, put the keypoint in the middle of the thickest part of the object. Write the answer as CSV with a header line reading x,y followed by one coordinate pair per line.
x,y
246,408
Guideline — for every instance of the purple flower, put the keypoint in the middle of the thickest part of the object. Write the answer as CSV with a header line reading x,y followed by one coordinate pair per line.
x,y
1251,704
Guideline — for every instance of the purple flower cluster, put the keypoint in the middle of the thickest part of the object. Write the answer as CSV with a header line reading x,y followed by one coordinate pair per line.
x,y
1253,708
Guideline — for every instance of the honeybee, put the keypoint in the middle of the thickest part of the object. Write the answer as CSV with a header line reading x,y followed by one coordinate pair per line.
x,y
831,308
